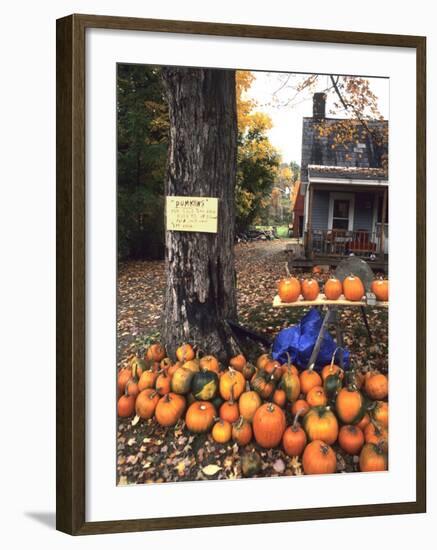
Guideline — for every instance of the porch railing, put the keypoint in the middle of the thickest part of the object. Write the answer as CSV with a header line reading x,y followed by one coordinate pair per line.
x,y
337,242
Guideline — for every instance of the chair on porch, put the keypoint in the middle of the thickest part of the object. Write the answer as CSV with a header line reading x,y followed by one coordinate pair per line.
x,y
361,243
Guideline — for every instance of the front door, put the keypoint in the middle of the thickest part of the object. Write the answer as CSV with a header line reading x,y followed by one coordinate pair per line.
x,y
379,226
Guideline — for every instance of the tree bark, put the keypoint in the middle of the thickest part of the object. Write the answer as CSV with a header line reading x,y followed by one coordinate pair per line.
x,y
201,280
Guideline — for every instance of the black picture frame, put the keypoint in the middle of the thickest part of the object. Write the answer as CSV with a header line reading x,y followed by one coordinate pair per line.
x,y
71,248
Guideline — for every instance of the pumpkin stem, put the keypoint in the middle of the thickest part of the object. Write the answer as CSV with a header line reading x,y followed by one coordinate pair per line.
x,y
239,423
311,367
288,359
299,412
324,448
270,407
287,271
130,381
333,355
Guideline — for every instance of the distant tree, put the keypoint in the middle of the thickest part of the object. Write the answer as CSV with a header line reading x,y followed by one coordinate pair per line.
x,y
142,129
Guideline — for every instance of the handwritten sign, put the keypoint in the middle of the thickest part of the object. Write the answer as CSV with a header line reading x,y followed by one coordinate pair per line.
x,y
192,214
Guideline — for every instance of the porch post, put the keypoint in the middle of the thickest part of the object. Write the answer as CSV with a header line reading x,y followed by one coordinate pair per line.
x,y
381,241
309,251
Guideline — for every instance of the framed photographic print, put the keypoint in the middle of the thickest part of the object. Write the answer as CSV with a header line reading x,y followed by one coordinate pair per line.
x,y
228,351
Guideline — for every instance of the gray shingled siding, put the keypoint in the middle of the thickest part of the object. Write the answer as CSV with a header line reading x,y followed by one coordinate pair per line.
x,y
363,211
363,215
320,209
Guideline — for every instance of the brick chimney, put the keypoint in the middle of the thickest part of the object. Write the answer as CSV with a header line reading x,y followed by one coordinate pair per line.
x,y
319,105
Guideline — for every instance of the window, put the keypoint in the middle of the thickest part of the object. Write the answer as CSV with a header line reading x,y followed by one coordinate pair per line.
x,y
340,214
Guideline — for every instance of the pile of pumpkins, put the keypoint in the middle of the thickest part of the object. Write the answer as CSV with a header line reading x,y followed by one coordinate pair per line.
x,y
290,289
246,402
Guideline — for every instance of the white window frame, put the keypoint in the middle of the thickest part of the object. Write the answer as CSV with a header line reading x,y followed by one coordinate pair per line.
x,y
339,196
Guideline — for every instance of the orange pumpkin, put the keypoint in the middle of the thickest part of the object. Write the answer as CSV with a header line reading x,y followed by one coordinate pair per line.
x,y
316,397
209,363
319,458
169,409
351,439
376,386
132,388
126,406
310,289
274,368
222,431
294,438
238,362
353,288
200,416
269,425
289,289
249,402
300,405
365,421
162,383
373,458
231,379
379,287
279,397
333,289
380,413
331,370
181,380
375,433
147,380
248,371
349,405
145,403
263,384
155,353
229,410
242,431
124,375
262,360
321,423
185,353
309,378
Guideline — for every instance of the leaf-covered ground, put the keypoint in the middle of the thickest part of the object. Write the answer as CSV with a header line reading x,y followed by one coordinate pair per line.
x,y
148,452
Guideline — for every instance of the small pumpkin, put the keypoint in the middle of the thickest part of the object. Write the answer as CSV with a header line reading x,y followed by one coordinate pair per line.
x,y
204,385
209,363
146,402
242,431
269,425
363,423
124,375
279,397
351,439
229,410
274,368
333,289
373,458
169,409
262,360
294,439
300,405
350,405
379,287
132,388
380,413
248,371
238,362
231,379
332,385
332,368
309,378
163,383
147,379
319,458
155,353
222,431
321,423
263,384
375,433
353,288
248,403
200,416
289,288
290,383
181,381
185,352
310,289
316,397
192,365
126,405
376,386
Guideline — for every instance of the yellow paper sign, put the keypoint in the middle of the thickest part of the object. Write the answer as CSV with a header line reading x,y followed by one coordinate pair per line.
x,y
192,214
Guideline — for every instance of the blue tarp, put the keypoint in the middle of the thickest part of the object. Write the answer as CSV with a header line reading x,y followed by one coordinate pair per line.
x,y
300,340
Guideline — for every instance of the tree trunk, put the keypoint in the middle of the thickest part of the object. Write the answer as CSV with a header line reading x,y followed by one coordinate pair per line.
x,y
201,280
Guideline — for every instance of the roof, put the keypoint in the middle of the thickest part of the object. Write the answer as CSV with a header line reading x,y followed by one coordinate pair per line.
x,y
347,172
344,143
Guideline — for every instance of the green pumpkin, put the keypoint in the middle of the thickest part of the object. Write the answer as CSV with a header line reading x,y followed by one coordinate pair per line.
x,y
181,381
204,385
332,385
291,385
